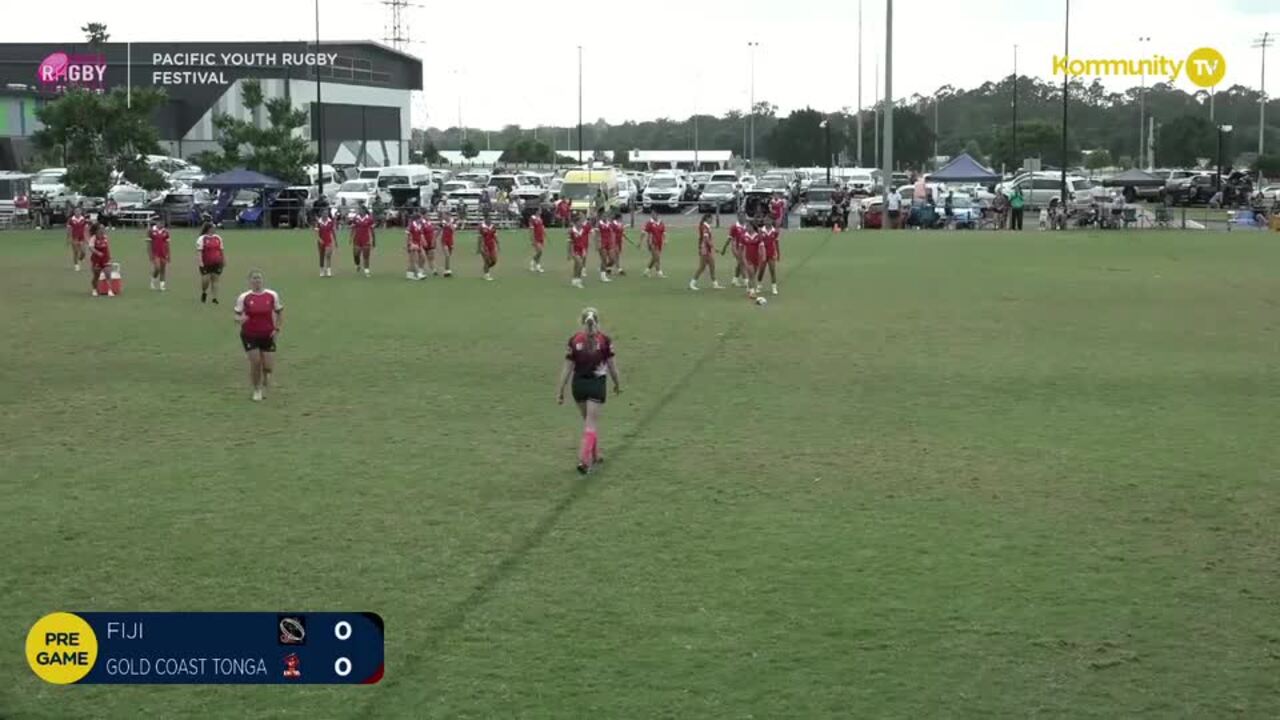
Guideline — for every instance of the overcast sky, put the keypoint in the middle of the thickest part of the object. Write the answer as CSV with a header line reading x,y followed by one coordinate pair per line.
x,y
515,61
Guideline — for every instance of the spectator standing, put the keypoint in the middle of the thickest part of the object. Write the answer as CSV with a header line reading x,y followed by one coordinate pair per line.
x,y
1016,204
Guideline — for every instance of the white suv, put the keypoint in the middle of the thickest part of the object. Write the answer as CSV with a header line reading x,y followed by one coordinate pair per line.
x,y
1041,188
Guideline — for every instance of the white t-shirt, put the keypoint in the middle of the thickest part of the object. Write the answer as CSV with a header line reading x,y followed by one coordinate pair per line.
x,y
895,201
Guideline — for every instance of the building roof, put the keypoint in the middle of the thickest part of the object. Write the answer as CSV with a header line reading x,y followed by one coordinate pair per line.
x,y
680,156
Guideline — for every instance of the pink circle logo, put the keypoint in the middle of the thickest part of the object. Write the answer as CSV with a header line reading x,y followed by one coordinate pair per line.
x,y
53,68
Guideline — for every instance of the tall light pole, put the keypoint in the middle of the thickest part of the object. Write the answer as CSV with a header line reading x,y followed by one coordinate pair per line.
x,y
752,120
888,115
579,104
319,113
1263,43
1017,158
935,129
1066,77
875,112
1142,113
860,84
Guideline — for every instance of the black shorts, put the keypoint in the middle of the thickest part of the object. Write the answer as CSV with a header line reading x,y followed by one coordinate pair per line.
x,y
214,269
265,344
589,388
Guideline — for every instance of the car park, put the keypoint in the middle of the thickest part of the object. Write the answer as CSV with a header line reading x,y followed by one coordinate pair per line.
x,y
15,197
527,188
185,178
466,201
1196,189
817,209
628,193
1039,189
49,182
182,207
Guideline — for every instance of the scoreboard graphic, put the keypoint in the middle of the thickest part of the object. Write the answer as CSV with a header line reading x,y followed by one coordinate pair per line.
x,y
200,648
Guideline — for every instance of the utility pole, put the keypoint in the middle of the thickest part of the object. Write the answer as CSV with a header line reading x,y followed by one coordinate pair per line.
x,y
1262,44
1066,77
888,115
1017,158
319,119
935,130
1142,111
860,84
875,112
579,104
753,45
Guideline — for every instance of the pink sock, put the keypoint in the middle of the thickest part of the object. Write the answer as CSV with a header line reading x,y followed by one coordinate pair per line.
x,y
586,454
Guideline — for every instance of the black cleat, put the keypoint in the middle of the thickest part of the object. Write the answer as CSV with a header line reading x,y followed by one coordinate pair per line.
x,y
203,297
214,301
582,469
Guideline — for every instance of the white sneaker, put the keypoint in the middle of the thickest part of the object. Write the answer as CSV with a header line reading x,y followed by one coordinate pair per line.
x,y
153,283
422,275
661,274
540,269
604,277
533,267
93,293
716,286
366,272
775,289
77,267
448,273
693,284
735,282
488,277
576,282
110,294
257,395
323,273
411,276
162,286
646,272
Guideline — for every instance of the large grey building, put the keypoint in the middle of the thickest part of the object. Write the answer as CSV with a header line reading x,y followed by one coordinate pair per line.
x,y
365,90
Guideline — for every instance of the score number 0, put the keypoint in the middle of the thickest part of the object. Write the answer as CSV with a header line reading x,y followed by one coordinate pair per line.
x,y
342,631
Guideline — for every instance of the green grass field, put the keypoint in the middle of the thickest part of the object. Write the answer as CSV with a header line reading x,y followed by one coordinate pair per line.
x,y
943,475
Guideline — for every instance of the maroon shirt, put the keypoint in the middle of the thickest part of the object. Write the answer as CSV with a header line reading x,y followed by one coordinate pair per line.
x,y
586,362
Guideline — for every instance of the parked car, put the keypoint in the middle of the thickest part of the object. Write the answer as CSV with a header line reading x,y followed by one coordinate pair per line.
x,y
15,195
816,211
756,198
185,178
718,197
49,182
466,200
664,192
1041,188
699,182
628,193
528,188
1270,193
1197,189
182,207
356,192
860,184
291,206
965,211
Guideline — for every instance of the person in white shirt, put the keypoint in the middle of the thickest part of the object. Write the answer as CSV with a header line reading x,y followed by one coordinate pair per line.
x,y
895,208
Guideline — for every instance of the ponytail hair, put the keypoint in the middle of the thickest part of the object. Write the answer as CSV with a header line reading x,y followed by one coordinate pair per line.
x,y
205,230
591,321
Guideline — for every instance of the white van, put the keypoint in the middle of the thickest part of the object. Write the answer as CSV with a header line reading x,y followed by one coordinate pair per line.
x,y
418,176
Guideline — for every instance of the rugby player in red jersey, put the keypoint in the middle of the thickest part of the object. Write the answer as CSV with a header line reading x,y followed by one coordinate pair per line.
x,y
448,226
158,251
619,234
99,257
604,244
752,257
736,233
538,235
326,241
564,212
487,246
579,244
260,315
706,254
778,208
362,239
77,236
772,254
211,259
428,244
588,361
415,237
656,232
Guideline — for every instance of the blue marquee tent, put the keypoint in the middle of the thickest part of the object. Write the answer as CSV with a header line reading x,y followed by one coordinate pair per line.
x,y
964,169
240,179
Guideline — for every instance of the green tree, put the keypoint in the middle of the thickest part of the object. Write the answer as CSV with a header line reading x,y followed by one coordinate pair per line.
x,y
272,148
621,155
800,139
430,153
1268,165
974,150
100,134
1184,139
1036,139
1098,159
95,33
469,150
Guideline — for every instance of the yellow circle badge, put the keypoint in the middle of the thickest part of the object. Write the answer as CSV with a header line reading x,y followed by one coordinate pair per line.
x,y
1206,67
61,648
